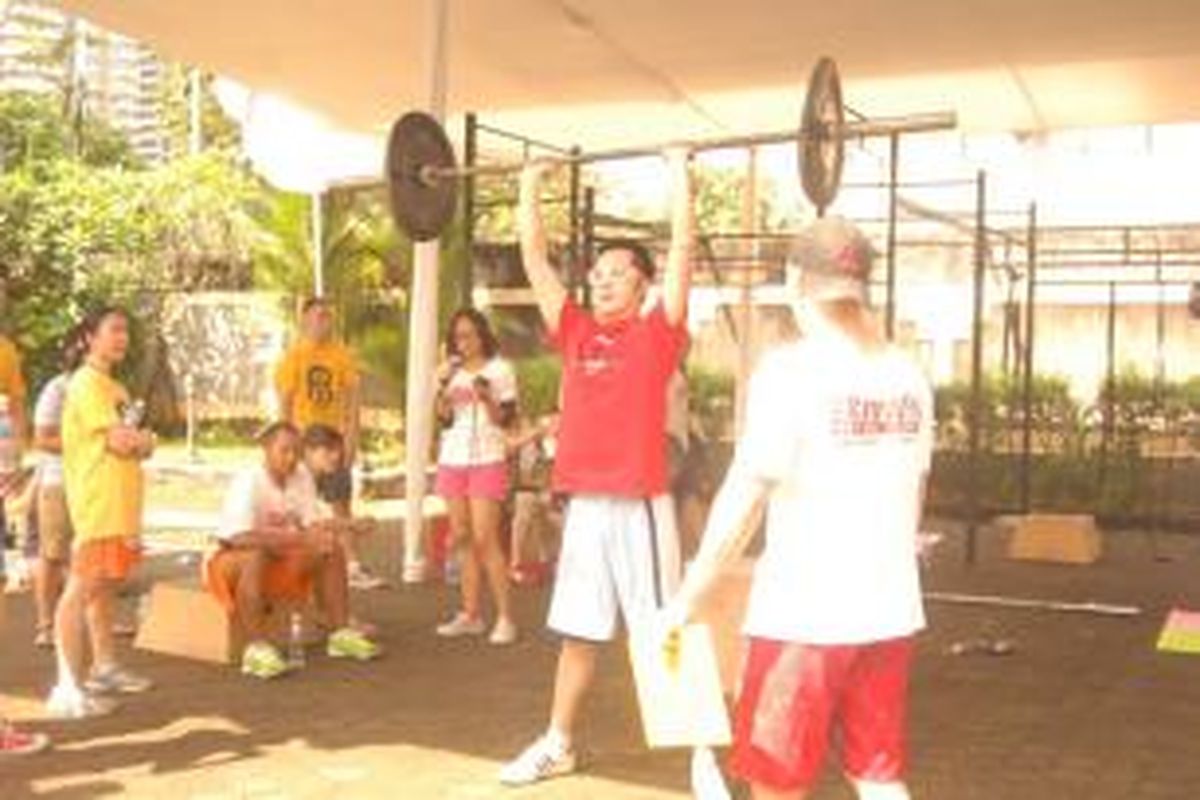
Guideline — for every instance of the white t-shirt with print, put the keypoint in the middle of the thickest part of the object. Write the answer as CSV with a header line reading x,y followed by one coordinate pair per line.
x,y
255,501
845,437
472,439
48,413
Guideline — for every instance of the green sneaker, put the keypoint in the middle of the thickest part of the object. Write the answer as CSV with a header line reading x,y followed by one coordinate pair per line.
x,y
261,660
349,643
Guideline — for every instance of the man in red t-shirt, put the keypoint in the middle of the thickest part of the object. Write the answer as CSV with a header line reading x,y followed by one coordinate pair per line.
x,y
620,552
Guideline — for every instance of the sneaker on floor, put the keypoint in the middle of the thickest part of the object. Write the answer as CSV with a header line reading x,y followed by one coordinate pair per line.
x,y
546,758
360,578
115,679
504,633
351,643
14,742
70,702
262,660
461,625
125,630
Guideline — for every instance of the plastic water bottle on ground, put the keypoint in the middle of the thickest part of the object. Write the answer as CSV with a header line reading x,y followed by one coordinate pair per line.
x,y
295,646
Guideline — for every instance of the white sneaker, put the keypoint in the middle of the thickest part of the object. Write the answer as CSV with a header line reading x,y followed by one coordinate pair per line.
x,y
548,757
115,679
461,625
504,633
360,578
71,702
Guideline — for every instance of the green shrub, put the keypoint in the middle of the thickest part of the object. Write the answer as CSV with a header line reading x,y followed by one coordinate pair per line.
x,y
537,382
710,400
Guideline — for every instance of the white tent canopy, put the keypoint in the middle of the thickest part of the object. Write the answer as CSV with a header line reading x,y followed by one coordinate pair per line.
x,y
686,64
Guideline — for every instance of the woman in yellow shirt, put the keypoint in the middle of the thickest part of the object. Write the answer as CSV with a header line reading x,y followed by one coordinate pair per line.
x,y
103,447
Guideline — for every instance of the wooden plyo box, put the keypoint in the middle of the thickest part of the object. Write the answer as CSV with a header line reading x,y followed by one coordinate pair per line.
x,y
183,619
1059,538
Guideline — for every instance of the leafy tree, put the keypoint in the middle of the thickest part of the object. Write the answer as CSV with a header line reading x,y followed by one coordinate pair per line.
x,y
217,130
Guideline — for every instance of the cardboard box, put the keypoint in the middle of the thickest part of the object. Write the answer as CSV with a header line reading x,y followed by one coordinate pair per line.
x,y
1058,538
679,690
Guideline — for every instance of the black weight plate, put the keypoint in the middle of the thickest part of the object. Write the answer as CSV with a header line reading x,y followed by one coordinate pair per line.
x,y
422,209
821,145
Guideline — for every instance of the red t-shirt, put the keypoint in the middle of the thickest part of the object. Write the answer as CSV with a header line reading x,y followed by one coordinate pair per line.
x,y
612,434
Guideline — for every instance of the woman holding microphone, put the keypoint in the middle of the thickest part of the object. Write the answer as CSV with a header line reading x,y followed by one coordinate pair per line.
x,y
476,401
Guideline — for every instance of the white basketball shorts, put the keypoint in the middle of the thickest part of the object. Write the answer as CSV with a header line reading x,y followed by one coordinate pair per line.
x,y
619,555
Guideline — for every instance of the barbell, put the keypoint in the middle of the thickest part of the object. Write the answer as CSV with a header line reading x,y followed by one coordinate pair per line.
x,y
423,175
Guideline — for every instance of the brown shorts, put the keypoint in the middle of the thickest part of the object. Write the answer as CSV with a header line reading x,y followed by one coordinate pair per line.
x,y
53,524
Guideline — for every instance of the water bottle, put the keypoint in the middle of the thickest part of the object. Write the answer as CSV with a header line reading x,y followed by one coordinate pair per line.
x,y
10,453
295,645
133,414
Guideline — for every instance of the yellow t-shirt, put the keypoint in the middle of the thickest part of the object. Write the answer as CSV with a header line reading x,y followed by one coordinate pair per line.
x,y
320,378
104,490
11,382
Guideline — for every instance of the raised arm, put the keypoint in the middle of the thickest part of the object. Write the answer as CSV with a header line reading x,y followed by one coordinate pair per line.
x,y
677,280
551,295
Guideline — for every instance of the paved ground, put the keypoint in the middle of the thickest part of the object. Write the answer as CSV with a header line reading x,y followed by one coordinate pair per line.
x,y
1083,709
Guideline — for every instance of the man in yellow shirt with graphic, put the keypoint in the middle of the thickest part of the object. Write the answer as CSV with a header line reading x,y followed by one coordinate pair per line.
x,y
317,383
103,447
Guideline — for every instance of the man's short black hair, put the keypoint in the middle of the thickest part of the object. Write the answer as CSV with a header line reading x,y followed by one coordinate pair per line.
x,y
323,437
268,432
642,258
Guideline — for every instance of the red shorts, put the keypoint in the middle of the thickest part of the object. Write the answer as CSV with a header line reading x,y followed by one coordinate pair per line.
x,y
489,481
794,695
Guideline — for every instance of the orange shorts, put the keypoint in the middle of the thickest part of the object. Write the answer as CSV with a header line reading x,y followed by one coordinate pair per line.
x,y
287,578
106,559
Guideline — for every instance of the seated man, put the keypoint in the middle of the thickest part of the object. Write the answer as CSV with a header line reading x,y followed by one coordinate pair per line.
x,y
277,547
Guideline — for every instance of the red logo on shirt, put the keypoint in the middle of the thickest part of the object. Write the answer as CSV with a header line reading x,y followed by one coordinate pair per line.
x,y
857,417
598,354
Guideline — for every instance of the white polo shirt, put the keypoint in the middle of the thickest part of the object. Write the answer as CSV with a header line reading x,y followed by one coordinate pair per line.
x,y
846,437
255,501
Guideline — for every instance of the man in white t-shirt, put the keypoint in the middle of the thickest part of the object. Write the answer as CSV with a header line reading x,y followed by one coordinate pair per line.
x,y
278,545
53,521
837,442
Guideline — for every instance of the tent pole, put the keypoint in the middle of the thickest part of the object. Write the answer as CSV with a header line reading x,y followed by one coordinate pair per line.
x,y
318,248
423,322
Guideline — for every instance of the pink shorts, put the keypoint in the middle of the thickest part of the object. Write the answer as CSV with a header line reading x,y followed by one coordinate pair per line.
x,y
489,481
